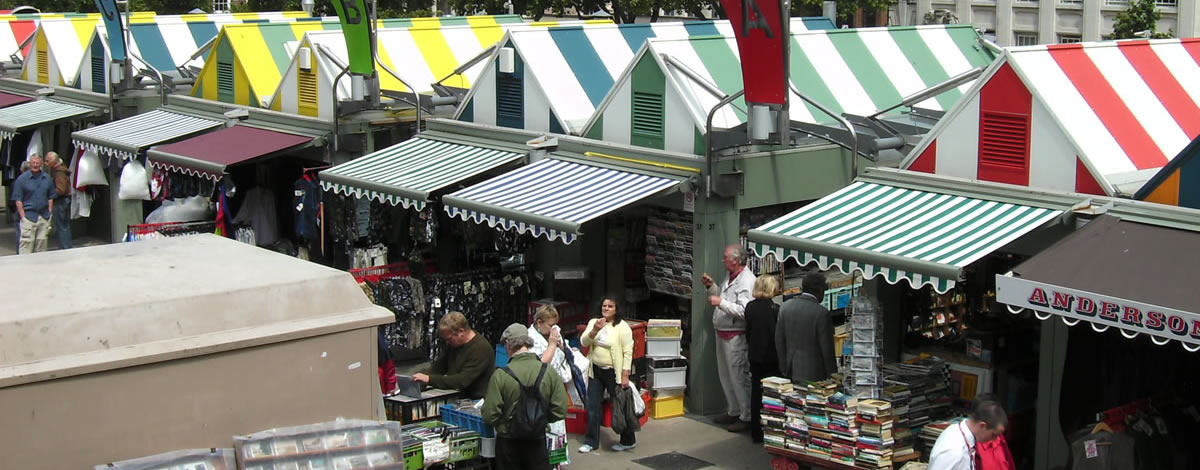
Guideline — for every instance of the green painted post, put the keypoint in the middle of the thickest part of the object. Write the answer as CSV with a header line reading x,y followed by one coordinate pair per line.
x,y
716,226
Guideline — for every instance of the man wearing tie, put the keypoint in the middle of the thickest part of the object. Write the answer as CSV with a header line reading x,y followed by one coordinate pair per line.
x,y
955,447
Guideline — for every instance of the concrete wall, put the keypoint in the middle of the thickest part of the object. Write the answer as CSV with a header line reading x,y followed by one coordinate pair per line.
x,y
203,401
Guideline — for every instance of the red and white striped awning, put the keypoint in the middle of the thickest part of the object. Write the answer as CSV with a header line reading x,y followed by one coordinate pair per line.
x,y
1127,106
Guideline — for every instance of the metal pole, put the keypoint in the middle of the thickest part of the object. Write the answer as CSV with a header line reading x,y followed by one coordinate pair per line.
x,y
333,89
845,123
708,161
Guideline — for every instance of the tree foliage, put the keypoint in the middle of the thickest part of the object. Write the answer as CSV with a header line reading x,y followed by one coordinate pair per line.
x,y
1141,15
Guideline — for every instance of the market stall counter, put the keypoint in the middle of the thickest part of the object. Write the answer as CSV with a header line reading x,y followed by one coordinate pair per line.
x,y
120,351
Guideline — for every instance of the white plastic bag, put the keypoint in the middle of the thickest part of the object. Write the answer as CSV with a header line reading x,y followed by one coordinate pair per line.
x,y
35,144
639,406
88,172
135,183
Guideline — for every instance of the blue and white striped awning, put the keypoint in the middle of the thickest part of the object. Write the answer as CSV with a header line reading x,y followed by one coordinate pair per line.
x,y
126,137
408,172
553,198
17,118
895,233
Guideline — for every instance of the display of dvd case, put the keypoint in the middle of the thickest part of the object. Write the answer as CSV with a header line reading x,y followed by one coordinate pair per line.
x,y
191,459
335,445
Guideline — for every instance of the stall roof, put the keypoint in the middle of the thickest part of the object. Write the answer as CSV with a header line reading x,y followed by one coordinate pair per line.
x,y
126,137
855,71
57,50
1101,117
1115,273
13,32
141,303
408,172
1178,183
554,197
208,155
36,113
248,61
898,233
9,99
422,55
564,73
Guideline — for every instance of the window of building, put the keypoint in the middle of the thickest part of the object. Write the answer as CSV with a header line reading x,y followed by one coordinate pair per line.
x,y
1165,3
1070,2
1069,39
1116,3
1025,39
220,6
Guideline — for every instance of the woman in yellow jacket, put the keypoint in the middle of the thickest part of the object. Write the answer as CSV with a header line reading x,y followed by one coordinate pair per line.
x,y
610,343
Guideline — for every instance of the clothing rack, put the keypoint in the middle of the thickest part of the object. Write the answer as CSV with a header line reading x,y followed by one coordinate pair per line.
x,y
1115,417
378,273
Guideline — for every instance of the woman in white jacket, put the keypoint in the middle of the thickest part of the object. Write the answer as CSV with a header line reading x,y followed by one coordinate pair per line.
x,y
547,341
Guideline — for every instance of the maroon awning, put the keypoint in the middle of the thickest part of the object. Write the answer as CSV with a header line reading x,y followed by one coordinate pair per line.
x,y
208,155
9,99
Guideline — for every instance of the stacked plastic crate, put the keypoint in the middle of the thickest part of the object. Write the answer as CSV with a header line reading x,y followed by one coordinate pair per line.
x,y
863,377
667,375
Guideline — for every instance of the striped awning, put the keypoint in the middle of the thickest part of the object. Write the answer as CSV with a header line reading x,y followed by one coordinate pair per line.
x,y
553,198
897,233
17,118
406,173
126,137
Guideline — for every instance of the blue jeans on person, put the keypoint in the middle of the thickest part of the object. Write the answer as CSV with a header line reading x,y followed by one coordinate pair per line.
x,y
602,380
62,221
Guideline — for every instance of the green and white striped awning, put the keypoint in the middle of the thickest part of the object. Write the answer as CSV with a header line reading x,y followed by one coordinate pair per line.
x,y
17,118
406,173
897,233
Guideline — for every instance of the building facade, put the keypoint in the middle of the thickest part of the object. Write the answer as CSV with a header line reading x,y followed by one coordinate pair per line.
x,y
1030,22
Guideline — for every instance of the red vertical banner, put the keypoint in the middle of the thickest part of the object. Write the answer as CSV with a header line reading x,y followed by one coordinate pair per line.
x,y
762,35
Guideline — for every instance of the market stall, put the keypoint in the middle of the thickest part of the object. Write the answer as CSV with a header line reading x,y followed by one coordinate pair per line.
x,y
555,78
677,81
1095,118
1096,375
166,334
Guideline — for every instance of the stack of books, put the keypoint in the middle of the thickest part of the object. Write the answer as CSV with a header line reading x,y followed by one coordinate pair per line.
x,y
774,411
929,433
875,440
843,411
923,389
816,415
902,450
796,426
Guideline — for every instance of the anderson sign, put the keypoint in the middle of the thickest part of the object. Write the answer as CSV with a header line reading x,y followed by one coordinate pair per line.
x,y
1099,309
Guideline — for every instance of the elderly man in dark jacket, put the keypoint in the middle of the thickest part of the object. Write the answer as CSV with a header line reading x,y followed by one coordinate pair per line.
x,y
804,334
503,393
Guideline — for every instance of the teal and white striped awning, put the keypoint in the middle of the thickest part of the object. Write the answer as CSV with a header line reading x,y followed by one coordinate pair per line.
x,y
406,173
17,118
553,198
897,233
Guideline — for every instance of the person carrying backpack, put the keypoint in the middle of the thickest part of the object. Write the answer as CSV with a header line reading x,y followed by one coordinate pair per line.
x,y
522,399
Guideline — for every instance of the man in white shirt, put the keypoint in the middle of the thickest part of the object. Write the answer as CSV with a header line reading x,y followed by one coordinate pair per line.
x,y
955,447
729,300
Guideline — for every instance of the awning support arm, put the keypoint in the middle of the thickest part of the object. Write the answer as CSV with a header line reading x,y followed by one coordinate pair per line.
x,y
845,123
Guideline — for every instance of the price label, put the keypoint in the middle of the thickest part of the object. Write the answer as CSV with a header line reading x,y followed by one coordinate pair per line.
x,y
1089,449
435,451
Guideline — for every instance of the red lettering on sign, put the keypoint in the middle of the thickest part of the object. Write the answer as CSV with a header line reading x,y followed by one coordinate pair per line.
x,y
1155,320
1087,307
757,26
1063,301
1196,329
1038,297
1109,310
1132,316
1177,324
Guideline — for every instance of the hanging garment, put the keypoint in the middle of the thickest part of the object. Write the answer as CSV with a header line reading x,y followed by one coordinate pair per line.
x,y
1103,451
258,210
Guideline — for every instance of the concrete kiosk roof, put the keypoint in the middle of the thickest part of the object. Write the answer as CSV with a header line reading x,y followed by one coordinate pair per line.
x,y
87,310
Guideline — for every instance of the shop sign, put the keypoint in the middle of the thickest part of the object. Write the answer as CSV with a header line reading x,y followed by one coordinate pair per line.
x,y
111,15
761,30
356,27
1099,309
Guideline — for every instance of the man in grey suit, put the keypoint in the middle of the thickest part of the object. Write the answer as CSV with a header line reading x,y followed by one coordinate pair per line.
x,y
804,334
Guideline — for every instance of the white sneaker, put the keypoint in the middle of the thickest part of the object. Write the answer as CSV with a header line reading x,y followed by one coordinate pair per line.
x,y
623,447
583,449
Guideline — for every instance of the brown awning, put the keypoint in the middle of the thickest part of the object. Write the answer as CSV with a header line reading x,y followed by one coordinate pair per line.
x,y
207,155
1115,273
9,99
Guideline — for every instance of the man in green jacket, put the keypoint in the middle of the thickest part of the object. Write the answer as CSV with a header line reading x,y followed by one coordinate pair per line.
x,y
465,360
504,392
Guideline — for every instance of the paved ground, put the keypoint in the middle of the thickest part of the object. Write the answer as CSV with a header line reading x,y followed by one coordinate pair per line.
x,y
695,437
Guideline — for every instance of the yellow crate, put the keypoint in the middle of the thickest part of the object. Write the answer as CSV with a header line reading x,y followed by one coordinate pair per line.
x,y
666,407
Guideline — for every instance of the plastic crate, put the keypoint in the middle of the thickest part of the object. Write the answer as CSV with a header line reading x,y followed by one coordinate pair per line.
x,y
577,417
454,417
666,407
464,449
414,458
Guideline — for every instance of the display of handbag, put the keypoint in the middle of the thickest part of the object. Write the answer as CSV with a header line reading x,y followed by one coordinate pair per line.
x,y
88,171
135,182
